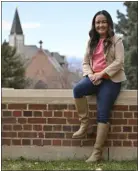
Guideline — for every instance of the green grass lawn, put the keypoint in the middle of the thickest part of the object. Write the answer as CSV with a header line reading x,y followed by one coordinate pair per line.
x,y
23,164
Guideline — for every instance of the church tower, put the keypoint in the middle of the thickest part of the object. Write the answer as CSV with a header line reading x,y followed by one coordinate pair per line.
x,y
16,37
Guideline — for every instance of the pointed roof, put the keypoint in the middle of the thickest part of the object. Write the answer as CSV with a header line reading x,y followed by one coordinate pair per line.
x,y
16,25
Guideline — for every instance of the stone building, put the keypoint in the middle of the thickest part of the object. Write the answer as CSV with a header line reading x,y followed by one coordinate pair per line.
x,y
44,69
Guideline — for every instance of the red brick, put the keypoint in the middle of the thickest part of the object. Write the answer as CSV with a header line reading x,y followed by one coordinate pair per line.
x,y
112,136
127,143
41,135
37,142
128,115
3,106
17,113
73,121
108,143
16,142
76,143
119,121
87,143
27,113
68,135
117,143
66,143
76,115
27,127
7,127
17,127
17,106
26,142
136,115
95,114
117,136
67,128
37,107
56,127
47,113
54,135
135,143
57,106
92,115
57,142
92,107
75,128
132,136
8,120
37,127
68,114
57,113
133,107
116,129
6,113
22,120
9,134
56,121
92,121
36,120
71,107
91,130
127,128
91,136
117,115
120,107
6,142
94,128
47,128
37,113
135,128
122,136
46,142
132,122
27,134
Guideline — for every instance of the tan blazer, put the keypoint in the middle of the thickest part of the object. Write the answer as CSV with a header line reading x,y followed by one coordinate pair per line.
x,y
114,57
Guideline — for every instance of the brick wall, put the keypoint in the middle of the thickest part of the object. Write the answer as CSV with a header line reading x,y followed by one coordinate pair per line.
x,y
53,124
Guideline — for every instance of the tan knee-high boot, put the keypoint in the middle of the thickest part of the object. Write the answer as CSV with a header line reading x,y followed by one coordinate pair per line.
x,y
102,132
82,109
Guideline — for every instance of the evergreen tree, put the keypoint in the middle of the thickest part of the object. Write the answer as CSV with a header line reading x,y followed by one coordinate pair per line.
x,y
13,71
128,25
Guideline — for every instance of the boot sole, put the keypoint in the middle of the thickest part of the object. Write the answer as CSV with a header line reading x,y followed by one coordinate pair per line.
x,y
94,161
89,131
81,136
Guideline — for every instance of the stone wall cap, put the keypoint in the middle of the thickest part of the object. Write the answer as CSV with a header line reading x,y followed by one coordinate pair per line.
x,y
57,96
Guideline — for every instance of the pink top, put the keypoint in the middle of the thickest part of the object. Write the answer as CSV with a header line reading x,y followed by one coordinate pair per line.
x,y
98,60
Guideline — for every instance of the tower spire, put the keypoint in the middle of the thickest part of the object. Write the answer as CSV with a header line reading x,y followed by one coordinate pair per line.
x,y
16,25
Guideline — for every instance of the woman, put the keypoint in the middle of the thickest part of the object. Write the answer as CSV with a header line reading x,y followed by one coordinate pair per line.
x,y
103,72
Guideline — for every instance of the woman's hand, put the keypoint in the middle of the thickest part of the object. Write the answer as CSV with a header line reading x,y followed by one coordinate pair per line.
x,y
97,82
92,77
97,76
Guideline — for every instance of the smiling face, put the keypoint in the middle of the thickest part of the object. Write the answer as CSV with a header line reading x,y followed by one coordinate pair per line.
x,y
101,25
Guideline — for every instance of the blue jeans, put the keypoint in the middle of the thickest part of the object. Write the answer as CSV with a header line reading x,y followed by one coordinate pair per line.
x,y
106,94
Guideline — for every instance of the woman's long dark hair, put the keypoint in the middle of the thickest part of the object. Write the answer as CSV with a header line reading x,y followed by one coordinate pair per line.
x,y
94,36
